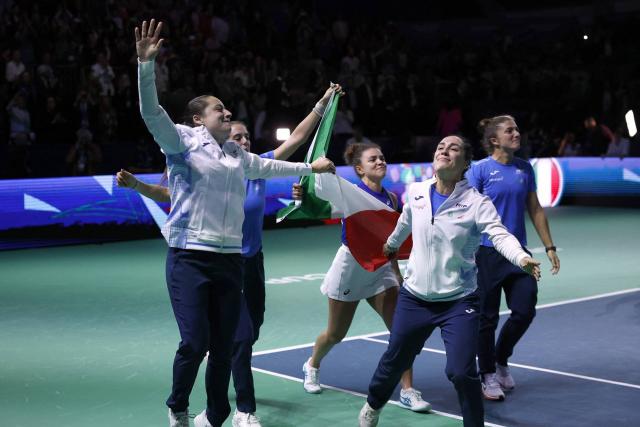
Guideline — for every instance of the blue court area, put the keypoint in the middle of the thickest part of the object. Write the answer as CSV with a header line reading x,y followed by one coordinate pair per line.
x,y
578,365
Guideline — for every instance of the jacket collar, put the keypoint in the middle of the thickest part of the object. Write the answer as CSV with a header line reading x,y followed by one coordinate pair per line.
x,y
206,135
228,146
461,185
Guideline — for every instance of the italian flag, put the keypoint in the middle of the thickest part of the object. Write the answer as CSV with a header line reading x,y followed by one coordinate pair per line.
x,y
311,207
368,221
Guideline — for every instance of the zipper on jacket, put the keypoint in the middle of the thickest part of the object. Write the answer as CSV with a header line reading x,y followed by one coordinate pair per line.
x,y
429,244
226,203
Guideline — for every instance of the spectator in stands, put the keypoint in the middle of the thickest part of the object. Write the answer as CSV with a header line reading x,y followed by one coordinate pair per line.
x,y
449,119
568,146
104,74
619,145
84,157
15,67
20,131
597,138
107,122
85,109
47,82
53,126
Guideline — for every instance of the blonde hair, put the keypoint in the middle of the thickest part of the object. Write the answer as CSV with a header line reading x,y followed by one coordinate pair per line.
x,y
488,128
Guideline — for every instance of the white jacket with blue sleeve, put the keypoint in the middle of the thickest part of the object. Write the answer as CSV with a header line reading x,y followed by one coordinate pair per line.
x,y
206,179
442,263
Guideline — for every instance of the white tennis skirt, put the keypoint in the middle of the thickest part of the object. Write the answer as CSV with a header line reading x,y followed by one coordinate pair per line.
x,y
346,280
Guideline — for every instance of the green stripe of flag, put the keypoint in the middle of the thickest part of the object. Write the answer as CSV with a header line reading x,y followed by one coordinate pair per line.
x,y
311,207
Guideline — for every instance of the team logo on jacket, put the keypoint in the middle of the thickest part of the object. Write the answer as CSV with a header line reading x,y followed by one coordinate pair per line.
x,y
550,181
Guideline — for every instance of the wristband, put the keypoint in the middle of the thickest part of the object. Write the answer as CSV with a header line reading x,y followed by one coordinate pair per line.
x,y
319,109
550,248
135,185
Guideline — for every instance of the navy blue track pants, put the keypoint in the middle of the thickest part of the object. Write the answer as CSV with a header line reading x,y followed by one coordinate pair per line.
x,y
251,318
413,322
205,289
495,274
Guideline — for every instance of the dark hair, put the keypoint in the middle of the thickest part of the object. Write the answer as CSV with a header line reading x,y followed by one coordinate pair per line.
x,y
468,151
353,153
195,107
488,129
239,122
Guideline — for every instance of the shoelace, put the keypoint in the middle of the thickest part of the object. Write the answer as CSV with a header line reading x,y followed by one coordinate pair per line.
x,y
312,374
370,415
491,381
180,416
183,419
413,394
252,419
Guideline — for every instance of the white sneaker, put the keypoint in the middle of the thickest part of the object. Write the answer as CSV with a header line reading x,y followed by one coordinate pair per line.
x,y
491,388
178,419
504,378
245,419
368,416
201,420
410,398
311,378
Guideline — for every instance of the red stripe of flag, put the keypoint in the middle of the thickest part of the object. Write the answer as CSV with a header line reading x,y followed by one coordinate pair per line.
x,y
367,231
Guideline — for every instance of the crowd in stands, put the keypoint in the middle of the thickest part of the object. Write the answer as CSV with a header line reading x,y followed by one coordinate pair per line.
x,y
69,87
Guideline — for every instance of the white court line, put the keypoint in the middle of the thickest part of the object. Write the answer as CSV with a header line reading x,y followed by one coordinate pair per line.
x,y
572,301
355,393
299,346
373,334
532,368
583,299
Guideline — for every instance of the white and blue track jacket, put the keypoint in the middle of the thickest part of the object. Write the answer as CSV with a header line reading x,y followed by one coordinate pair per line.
x,y
206,180
442,263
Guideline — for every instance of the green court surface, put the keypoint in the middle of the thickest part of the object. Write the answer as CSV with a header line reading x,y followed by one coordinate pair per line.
x,y
88,335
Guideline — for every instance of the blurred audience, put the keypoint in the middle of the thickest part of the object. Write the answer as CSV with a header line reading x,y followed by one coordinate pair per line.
x,y
405,82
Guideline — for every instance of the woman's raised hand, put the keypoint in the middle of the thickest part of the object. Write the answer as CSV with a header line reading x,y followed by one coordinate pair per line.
x,y
333,87
148,41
